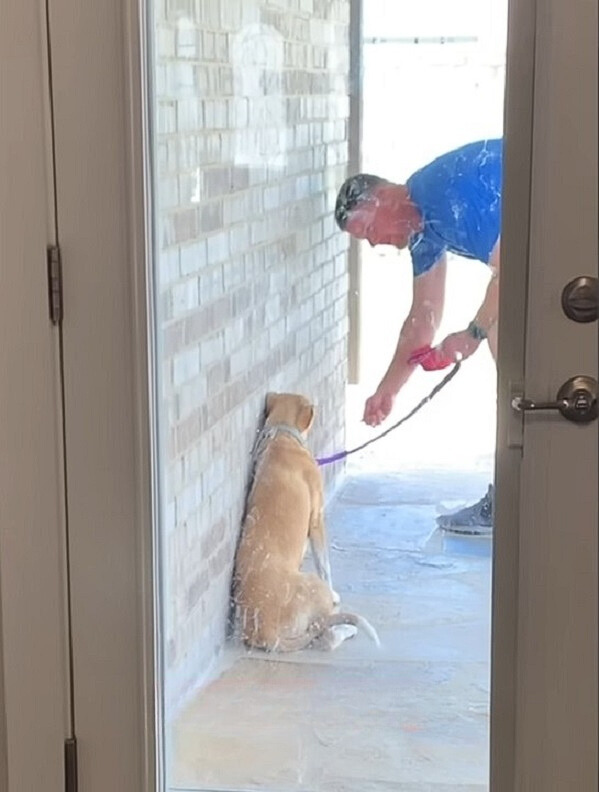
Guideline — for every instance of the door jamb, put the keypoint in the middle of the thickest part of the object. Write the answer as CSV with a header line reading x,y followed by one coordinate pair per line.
x,y
515,240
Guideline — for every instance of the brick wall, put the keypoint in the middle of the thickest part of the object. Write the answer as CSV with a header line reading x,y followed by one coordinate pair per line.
x,y
250,147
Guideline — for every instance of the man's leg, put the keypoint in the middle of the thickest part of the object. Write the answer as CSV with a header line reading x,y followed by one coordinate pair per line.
x,y
478,518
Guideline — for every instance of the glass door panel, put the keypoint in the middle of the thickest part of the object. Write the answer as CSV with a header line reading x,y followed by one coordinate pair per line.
x,y
250,133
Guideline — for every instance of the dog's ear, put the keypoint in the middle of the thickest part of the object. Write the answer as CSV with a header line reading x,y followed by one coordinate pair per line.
x,y
305,419
270,401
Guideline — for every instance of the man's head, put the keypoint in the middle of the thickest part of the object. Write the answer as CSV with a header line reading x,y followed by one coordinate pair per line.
x,y
369,207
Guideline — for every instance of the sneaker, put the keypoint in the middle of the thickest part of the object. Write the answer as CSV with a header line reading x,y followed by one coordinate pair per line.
x,y
474,520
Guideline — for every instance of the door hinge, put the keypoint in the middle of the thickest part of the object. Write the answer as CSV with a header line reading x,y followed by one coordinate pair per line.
x,y
70,765
55,284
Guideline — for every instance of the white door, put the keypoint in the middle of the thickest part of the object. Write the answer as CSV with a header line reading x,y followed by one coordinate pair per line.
x,y
35,712
545,576
554,626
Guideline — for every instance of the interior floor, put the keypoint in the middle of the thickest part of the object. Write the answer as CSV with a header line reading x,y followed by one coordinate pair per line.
x,y
412,715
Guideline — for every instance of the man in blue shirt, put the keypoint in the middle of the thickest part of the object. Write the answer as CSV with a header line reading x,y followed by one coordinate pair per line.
x,y
451,205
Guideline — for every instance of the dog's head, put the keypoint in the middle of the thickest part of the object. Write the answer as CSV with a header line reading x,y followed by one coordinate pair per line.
x,y
291,409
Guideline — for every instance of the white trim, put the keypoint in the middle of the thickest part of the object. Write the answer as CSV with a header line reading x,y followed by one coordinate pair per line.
x,y
518,125
139,200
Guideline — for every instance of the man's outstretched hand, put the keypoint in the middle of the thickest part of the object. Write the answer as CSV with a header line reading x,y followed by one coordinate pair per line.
x,y
378,407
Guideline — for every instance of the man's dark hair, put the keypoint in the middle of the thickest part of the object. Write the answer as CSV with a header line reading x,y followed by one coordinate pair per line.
x,y
353,191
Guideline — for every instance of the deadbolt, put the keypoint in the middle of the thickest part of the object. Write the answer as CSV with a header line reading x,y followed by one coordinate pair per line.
x,y
580,299
576,400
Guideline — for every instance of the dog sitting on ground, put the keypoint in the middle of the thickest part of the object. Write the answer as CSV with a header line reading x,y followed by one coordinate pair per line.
x,y
279,607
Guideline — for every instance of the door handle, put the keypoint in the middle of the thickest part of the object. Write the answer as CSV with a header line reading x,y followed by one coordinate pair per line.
x,y
576,400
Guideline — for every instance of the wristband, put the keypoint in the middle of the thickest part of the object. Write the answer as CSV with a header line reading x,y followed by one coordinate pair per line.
x,y
477,332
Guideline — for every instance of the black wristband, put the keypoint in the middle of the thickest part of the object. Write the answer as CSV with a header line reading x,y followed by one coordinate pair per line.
x,y
476,332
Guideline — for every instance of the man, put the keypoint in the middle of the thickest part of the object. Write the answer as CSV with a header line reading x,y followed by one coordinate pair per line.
x,y
452,205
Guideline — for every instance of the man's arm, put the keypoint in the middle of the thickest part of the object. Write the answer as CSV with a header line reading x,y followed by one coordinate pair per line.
x,y
466,342
418,330
421,324
486,315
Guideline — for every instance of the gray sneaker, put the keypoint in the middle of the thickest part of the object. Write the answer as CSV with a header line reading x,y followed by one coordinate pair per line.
x,y
474,520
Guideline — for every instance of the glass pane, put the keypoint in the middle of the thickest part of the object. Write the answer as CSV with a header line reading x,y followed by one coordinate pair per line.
x,y
252,129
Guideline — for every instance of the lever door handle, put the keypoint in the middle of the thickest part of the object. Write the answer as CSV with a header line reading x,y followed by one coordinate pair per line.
x,y
521,404
576,400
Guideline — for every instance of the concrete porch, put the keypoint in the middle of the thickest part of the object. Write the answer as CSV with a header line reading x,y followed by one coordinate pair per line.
x,y
412,715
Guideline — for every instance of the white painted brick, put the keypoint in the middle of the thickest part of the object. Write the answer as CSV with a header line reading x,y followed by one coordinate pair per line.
x,y
273,309
258,232
186,40
212,349
240,361
185,297
218,248
277,333
234,335
169,518
168,266
191,396
193,257
211,284
186,366
239,239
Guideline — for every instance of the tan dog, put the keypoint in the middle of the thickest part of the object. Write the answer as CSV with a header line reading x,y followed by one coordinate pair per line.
x,y
279,607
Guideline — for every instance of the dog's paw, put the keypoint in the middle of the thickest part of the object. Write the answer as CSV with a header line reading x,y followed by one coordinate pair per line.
x,y
341,633
334,636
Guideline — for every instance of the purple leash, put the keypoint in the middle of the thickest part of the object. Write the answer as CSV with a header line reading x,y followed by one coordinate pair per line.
x,y
438,387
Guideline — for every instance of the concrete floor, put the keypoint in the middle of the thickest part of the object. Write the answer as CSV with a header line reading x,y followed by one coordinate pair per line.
x,y
412,715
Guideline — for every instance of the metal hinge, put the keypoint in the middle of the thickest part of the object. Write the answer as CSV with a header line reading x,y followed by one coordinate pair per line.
x,y
70,765
55,284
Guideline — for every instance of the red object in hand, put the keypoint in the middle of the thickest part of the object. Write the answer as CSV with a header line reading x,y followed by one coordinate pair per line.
x,y
430,359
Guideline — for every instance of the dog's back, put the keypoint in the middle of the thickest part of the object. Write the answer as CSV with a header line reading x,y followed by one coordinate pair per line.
x,y
278,508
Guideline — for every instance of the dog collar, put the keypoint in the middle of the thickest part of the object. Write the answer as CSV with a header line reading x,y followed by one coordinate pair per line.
x,y
272,430
268,433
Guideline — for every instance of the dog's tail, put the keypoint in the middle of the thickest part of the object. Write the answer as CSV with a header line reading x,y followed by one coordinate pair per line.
x,y
316,629
298,642
356,621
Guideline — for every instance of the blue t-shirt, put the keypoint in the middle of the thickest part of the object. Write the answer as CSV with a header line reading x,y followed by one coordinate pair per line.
x,y
459,197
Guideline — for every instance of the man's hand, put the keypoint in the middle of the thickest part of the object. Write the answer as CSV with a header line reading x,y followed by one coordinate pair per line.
x,y
378,406
458,345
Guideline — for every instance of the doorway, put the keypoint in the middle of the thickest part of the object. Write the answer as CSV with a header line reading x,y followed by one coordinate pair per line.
x,y
248,148
121,651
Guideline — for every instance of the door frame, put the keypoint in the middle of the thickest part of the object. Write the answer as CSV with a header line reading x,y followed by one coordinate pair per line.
x,y
35,711
515,243
113,482
99,193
